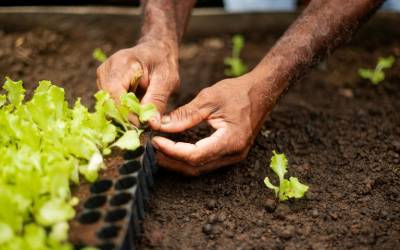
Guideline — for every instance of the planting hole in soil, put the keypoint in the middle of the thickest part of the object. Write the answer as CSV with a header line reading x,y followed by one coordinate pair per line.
x,y
125,183
95,201
130,155
120,199
108,232
101,186
115,215
89,217
130,167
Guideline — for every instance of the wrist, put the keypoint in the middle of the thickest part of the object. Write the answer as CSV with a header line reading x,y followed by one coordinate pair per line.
x,y
269,78
166,45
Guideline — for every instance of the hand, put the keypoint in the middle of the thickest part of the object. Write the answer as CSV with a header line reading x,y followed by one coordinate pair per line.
x,y
234,107
151,66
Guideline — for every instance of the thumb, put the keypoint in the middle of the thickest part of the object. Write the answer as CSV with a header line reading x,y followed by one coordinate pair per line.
x,y
186,117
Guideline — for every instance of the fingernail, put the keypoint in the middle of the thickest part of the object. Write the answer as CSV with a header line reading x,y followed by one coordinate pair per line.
x,y
165,119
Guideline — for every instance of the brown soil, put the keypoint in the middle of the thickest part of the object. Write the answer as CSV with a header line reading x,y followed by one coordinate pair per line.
x,y
340,133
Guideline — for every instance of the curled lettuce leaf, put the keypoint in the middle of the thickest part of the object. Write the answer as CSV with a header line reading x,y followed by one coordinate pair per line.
x,y
287,189
45,147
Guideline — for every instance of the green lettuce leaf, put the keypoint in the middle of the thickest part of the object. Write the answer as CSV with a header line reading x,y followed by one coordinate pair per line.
x,y
47,146
129,141
287,189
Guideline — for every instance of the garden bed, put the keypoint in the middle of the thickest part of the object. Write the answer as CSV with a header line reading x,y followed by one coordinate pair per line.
x,y
340,133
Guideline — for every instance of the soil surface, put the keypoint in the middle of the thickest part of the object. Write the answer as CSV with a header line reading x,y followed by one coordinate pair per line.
x,y
341,135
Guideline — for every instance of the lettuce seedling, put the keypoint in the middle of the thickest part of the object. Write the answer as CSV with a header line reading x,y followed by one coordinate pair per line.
x,y
99,55
287,189
377,75
236,66
45,147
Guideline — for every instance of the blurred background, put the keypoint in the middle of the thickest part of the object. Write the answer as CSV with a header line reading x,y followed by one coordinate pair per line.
x,y
229,5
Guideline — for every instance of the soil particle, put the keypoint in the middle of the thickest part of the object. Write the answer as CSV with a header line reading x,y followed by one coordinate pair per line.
x,y
155,238
211,204
288,232
212,218
314,213
282,211
221,217
207,228
396,145
311,195
270,205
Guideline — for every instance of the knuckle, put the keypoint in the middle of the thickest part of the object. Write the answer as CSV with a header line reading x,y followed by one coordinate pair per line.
x,y
158,97
175,80
207,99
195,160
205,93
240,146
181,113
184,113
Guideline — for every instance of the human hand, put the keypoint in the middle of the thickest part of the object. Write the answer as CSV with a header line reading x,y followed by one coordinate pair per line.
x,y
235,107
150,67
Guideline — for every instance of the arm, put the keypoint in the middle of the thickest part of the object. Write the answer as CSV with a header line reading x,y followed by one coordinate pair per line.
x,y
237,107
166,20
152,64
323,26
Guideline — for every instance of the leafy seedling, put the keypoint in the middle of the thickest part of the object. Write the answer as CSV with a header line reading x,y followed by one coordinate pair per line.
x,y
236,67
287,189
46,146
99,55
377,75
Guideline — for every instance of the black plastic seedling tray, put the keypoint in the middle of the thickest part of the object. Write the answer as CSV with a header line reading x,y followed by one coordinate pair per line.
x,y
111,209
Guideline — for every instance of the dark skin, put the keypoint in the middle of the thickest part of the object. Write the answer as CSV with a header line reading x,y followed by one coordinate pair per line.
x,y
235,107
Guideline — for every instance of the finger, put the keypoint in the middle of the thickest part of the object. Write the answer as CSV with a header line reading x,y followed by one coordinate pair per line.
x,y
201,152
174,165
189,170
117,80
187,116
114,90
157,92
137,74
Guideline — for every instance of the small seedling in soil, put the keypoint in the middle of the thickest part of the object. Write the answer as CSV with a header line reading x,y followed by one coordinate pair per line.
x,y
99,55
287,189
377,75
236,66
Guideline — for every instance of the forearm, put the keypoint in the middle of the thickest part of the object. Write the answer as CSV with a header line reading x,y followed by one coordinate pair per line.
x,y
322,27
165,20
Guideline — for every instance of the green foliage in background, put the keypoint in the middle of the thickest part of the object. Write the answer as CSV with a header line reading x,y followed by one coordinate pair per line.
x,y
236,67
377,75
99,55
